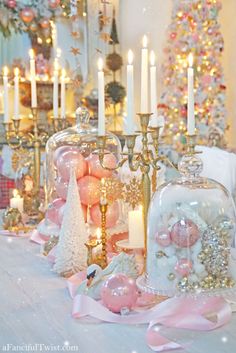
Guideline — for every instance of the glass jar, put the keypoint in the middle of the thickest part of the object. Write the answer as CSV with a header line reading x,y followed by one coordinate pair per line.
x,y
191,235
76,147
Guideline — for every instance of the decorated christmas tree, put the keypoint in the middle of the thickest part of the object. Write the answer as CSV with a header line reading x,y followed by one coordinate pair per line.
x,y
194,29
71,254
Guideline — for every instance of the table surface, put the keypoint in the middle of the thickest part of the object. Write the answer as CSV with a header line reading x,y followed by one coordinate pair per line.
x,y
35,308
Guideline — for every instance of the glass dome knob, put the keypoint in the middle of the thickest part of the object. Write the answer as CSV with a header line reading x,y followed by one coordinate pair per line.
x,y
190,165
82,116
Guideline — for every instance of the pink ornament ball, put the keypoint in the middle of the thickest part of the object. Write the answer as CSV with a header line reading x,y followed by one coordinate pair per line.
x,y
61,188
68,160
45,23
112,215
53,4
11,4
162,237
184,233
118,292
27,15
183,267
89,190
97,170
53,210
62,149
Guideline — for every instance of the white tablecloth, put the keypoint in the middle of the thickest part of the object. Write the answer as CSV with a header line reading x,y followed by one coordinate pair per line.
x,y
35,308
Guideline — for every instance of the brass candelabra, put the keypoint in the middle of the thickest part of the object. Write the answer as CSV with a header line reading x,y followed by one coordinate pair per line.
x,y
143,160
35,140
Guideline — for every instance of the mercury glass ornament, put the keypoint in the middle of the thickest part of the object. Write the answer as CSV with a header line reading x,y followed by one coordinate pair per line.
x,y
191,235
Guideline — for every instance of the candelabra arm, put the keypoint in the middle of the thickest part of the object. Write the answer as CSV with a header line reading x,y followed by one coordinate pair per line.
x,y
9,134
165,159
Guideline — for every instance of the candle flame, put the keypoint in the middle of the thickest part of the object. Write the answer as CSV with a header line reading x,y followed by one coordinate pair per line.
x,y
15,193
152,58
98,234
130,57
5,71
16,71
58,52
56,65
190,60
31,53
103,182
63,73
100,64
145,41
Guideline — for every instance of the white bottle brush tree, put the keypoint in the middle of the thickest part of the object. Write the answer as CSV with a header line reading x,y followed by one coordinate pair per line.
x,y
71,254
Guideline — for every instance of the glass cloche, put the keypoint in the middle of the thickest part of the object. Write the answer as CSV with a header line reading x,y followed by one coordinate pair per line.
x,y
191,235
75,147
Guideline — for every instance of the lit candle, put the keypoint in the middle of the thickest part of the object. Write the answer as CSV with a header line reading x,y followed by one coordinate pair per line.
x,y
16,93
144,77
16,201
63,95
153,90
55,91
5,94
191,117
130,95
136,228
33,80
101,99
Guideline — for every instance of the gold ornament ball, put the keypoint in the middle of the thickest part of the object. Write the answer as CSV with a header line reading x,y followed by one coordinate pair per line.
x,y
114,62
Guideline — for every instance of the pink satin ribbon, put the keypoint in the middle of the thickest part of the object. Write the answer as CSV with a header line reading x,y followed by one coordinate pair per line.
x,y
202,314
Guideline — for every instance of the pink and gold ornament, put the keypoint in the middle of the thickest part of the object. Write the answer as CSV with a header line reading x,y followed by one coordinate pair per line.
x,y
27,15
62,149
119,292
97,170
183,267
112,215
89,189
184,233
45,23
71,160
163,238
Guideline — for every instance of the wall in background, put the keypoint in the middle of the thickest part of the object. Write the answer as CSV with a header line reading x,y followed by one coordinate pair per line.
x,y
152,17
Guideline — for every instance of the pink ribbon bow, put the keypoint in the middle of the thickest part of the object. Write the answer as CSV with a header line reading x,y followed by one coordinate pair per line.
x,y
202,314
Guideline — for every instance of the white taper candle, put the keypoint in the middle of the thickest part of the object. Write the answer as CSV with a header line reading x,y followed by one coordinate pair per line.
x,y
101,99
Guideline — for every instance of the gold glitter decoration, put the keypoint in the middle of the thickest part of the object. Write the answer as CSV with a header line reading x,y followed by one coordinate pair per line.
x,y
132,192
18,156
113,188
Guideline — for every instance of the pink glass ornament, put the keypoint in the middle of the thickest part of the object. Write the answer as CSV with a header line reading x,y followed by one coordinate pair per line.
x,y
52,213
62,149
119,292
183,267
89,189
112,215
68,160
162,237
61,188
53,4
184,233
27,15
97,170
11,4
